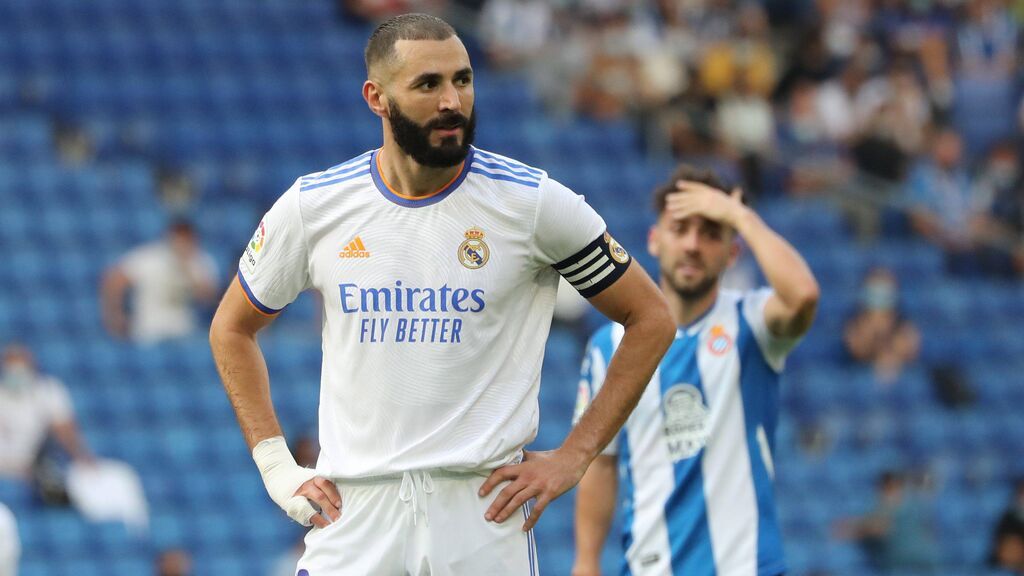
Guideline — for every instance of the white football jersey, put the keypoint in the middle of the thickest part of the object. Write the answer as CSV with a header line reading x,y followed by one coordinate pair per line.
x,y
437,308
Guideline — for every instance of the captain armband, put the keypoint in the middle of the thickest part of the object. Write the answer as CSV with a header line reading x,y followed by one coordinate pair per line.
x,y
597,266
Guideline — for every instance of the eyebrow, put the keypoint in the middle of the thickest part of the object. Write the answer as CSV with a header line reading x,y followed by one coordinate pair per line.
x,y
437,76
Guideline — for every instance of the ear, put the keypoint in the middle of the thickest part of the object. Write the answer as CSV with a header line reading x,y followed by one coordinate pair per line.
x,y
375,98
653,242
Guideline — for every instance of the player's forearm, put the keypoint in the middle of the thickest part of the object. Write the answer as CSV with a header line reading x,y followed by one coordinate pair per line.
x,y
783,267
244,374
644,342
595,508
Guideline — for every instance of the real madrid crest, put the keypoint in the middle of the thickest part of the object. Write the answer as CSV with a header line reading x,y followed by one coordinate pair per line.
x,y
473,252
618,253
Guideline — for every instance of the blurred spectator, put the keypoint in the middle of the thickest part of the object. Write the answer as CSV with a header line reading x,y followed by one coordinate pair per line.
x,y
166,278
515,31
33,407
174,562
897,535
806,146
10,543
895,102
74,147
612,85
175,189
987,39
947,209
877,334
746,125
1002,187
1007,550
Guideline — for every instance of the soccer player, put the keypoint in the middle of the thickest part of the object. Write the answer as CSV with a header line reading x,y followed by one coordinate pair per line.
x,y
438,264
695,456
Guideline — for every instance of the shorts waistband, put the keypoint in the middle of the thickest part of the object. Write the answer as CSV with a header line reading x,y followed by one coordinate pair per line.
x,y
436,473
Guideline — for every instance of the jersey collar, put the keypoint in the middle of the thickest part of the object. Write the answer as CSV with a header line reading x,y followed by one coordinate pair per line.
x,y
421,201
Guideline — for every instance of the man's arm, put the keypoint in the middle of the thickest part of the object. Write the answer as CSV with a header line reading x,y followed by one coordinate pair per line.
x,y
636,303
243,371
595,508
790,311
67,434
115,284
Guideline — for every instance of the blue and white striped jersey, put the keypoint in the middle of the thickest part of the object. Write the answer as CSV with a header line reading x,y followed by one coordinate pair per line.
x,y
695,457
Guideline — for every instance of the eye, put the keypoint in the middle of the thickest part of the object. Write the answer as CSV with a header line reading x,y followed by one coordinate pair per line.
x,y
464,81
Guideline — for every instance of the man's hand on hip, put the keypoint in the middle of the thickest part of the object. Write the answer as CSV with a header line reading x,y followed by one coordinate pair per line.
x,y
294,488
542,475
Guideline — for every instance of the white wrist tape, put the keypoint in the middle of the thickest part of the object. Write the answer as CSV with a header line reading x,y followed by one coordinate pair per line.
x,y
282,477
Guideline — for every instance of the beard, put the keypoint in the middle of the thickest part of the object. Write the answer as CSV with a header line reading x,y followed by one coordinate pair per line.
x,y
414,139
693,292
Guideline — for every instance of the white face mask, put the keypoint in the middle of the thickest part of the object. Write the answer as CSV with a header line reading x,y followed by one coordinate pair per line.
x,y
17,376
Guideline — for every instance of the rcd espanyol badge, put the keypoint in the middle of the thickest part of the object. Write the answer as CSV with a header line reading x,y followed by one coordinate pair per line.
x,y
473,252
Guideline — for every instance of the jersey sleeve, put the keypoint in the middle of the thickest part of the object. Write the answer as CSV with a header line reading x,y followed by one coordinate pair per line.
x,y
274,267
773,348
571,237
56,402
592,373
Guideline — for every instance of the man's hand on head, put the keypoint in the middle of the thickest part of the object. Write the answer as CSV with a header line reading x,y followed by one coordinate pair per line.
x,y
697,199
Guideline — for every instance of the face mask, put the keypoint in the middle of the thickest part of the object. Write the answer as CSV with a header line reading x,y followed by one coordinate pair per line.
x,y
17,377
879,296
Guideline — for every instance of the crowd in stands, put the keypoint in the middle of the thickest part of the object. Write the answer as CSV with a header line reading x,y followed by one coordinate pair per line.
x,y
893,107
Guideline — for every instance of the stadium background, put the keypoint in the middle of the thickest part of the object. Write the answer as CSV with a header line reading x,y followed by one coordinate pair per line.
x,y
239,97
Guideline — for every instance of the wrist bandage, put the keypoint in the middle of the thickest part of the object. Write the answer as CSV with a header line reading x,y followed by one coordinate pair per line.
x,y
282,477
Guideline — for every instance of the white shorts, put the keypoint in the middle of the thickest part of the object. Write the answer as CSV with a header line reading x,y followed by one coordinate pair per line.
x,y
427,523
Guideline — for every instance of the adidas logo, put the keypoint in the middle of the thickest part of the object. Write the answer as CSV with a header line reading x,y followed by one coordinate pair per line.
x,y
355,249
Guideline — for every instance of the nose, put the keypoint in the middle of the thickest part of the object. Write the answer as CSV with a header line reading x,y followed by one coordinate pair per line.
x,y
449,99
690,239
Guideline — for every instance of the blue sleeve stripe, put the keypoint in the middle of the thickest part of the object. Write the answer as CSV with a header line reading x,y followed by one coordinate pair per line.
x,y
509,163
347,164
492,176
350,176
253,299
500,167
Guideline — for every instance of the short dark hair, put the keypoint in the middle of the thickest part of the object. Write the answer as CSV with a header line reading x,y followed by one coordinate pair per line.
x,y
381,45
686,172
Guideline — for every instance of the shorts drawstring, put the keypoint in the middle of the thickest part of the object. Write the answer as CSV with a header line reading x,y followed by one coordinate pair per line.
x,y
412,484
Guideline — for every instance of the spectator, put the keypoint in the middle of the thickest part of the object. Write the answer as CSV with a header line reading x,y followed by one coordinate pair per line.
x,y
32,407
987,40
166,277
947,209
746,125
1002,181
805,144
515,31
897,535
877,334
1008,538
174,562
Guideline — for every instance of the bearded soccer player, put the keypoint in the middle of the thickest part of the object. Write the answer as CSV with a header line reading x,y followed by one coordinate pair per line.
x,y
438,264
695,456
